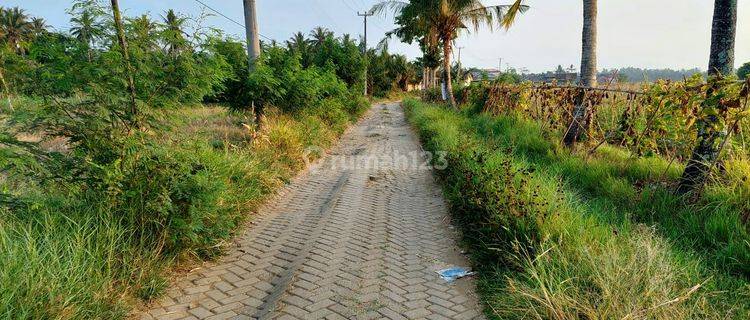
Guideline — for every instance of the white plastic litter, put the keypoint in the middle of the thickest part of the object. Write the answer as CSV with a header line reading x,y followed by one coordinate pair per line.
x,y
451,274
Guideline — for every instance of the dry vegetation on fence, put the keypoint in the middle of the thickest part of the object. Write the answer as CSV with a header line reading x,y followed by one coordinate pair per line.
x,y
658,118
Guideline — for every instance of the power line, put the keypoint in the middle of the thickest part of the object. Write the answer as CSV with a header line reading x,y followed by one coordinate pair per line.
x,y
348,5
321,10
355,10
228,18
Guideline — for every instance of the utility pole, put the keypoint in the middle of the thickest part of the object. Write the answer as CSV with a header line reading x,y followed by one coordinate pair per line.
x,y
364,49
500,66
251,30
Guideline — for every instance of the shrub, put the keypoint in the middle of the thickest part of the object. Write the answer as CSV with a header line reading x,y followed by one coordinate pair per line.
x,y
744,71
432,94
130,188
557,236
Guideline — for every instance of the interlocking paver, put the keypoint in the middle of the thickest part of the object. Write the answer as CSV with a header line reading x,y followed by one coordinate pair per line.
x,y
339,243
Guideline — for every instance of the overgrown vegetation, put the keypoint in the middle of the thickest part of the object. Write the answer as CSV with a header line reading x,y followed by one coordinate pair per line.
x,y
436,24
99,193
562,234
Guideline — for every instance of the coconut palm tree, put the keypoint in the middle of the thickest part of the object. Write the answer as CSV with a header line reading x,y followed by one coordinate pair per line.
x,y
721,63
297,43
14,28
347,39
173,33
413,26
87,27
579,123
38,27
446,18
319,35
144,32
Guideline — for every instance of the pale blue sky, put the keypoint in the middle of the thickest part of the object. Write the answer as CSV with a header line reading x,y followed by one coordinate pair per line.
x,y
639,33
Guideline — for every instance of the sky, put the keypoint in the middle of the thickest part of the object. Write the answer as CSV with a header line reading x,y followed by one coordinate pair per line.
x,y
638,33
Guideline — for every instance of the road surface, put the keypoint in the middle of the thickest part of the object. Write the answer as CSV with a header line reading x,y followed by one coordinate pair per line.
x,y
359,235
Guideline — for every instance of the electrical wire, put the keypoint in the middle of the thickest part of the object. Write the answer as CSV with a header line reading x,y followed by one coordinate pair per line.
x,y
228,18
348,5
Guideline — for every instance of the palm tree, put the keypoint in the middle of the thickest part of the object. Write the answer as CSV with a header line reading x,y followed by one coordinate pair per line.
x,y
173,33
319,35
721,63
347,40
413,25
297,43
14,27
144,32
579,124
38,27
87,28
445,18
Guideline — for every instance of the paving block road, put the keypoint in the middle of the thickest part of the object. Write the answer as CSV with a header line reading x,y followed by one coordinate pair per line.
x,y
359,235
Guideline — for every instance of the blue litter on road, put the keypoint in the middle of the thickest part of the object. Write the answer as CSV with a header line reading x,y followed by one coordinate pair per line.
x,y
451,274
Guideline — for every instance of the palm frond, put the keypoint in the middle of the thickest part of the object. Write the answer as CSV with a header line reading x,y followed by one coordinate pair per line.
x,y
505,15
385,6
510,15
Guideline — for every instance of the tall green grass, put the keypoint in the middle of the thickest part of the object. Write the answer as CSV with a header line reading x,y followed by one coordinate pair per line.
x,y
81,258
557,235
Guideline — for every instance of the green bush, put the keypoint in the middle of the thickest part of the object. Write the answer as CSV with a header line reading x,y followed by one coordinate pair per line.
x,y
556,236
169,198
744,71
433,95
99,196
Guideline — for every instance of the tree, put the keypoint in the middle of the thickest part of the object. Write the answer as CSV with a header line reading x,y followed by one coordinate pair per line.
x,y
15,27
86,24
144,32
319,35
297,43
414,26
173,34
133,116
621,78
3,83
744,71
447,17
721,62
38,27
579,124
452,16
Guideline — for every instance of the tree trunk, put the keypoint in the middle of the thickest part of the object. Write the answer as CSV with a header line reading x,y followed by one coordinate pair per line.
x,y
430,77
6,89
723,33
126,59
721,62
447,70
89,55
579,125
435,78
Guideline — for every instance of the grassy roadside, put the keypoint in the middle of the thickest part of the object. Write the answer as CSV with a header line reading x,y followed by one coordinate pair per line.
x,y
79,258
557,236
